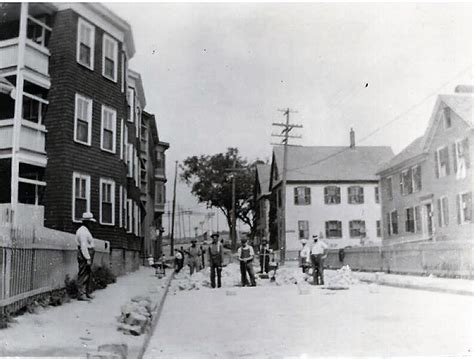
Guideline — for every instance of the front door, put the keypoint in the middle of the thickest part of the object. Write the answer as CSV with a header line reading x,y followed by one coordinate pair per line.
x,y
427,220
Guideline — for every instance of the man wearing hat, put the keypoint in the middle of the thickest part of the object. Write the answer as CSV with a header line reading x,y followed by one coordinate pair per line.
x,y
194,255
264,256
245,254
216,259
85,256
305,256
317,259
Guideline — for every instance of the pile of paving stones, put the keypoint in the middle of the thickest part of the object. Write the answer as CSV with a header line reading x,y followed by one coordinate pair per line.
x,y
136,316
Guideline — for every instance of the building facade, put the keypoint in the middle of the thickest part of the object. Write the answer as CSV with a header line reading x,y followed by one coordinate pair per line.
x,y
331,191
153,185
70,122
262,201
427,187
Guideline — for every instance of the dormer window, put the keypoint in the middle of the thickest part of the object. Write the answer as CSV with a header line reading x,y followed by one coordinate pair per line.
x,y
447,117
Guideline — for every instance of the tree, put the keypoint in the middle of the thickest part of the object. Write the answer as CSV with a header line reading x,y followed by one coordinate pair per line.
x,y
211,183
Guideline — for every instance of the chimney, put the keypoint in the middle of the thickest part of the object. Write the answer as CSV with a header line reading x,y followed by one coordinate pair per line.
x,y
352,135
464,89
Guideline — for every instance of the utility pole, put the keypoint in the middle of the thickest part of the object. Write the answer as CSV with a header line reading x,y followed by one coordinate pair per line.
x,y
174,207
285,133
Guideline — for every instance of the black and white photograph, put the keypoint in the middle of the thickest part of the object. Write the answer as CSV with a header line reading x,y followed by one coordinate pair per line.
x,y
236,180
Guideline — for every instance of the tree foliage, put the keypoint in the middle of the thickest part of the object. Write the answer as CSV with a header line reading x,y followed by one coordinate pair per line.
x,y
211,183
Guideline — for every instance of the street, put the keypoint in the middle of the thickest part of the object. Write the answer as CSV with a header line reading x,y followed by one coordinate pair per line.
x,y
278,321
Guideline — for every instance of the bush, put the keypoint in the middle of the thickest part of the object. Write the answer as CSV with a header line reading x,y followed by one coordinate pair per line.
x,y
5,319
102,277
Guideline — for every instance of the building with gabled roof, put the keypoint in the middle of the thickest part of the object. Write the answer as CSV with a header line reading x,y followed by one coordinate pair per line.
x,y
262,200
427,187
331,191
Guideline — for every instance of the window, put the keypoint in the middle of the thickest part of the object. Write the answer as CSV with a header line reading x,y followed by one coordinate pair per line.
x,y
34,108
416,176
442,162
443,212
394,222
109,118
123,72
389,224
135,219
355,194
129,224
357,229
31,184
417,219
303,229
409,220
333,229
388,187
83,120
159,193
160,159
130,160
447,117
465,207
109,58
461,158
124,142
121,138
406,182
107,201
379,228
377,194
85,44
120,206
131,104
124,207
81,190
332,195
302,195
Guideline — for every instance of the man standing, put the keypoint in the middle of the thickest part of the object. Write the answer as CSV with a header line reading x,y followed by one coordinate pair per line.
x,y
245,254
317,259
264,256
85,256
203,252
178,260
216,259
305,255
194,256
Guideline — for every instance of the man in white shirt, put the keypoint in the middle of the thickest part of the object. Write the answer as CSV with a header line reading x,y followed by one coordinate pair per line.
x,y
85,256
245,253
305,255
317,259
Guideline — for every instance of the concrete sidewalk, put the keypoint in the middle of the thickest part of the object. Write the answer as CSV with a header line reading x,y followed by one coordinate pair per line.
x,y
77,328
430,283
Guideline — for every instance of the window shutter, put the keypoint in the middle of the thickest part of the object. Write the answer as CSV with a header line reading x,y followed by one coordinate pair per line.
x,y
455,158
295,192
307,195
361,194
440,222
327,229
436,161
465,149
458,205
326,199
447,160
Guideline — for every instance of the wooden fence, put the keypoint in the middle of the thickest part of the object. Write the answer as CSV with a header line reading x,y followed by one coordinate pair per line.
x,y
444,258
36,260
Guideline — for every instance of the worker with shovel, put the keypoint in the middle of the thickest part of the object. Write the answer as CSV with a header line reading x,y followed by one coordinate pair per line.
x,y
317,260
264,257
245,253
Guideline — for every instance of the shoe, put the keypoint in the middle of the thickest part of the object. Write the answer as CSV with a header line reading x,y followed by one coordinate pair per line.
x,y
83,298
90,296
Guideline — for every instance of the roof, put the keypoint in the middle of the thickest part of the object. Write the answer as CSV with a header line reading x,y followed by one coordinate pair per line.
x,y
134,78
461,104
332,163
412,150
263,175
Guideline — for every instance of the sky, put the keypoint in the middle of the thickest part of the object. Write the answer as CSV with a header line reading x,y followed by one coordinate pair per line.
x,y
215,74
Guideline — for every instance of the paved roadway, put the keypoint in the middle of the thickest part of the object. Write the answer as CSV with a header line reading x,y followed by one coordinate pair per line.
x,y
277,322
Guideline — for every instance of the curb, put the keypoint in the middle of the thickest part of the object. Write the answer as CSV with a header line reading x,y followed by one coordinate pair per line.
x,y
421,287
158,309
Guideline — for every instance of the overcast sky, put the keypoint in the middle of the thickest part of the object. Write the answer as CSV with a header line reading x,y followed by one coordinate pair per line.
x,y
215,74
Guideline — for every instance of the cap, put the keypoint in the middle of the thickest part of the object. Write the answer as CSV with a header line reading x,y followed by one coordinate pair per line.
x,y
214,235
88,216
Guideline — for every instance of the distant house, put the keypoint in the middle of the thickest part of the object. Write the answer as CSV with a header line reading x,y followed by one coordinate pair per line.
x,y
262,200
331,191
427,188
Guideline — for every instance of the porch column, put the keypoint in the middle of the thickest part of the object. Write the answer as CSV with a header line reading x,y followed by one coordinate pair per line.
x,y
18,111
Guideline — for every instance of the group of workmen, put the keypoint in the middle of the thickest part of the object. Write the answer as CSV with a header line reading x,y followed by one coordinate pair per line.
x,y
245,255
312,257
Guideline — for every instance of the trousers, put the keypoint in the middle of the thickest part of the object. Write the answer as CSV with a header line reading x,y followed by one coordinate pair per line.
x,y
247,267
317,263
216,270
84,277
